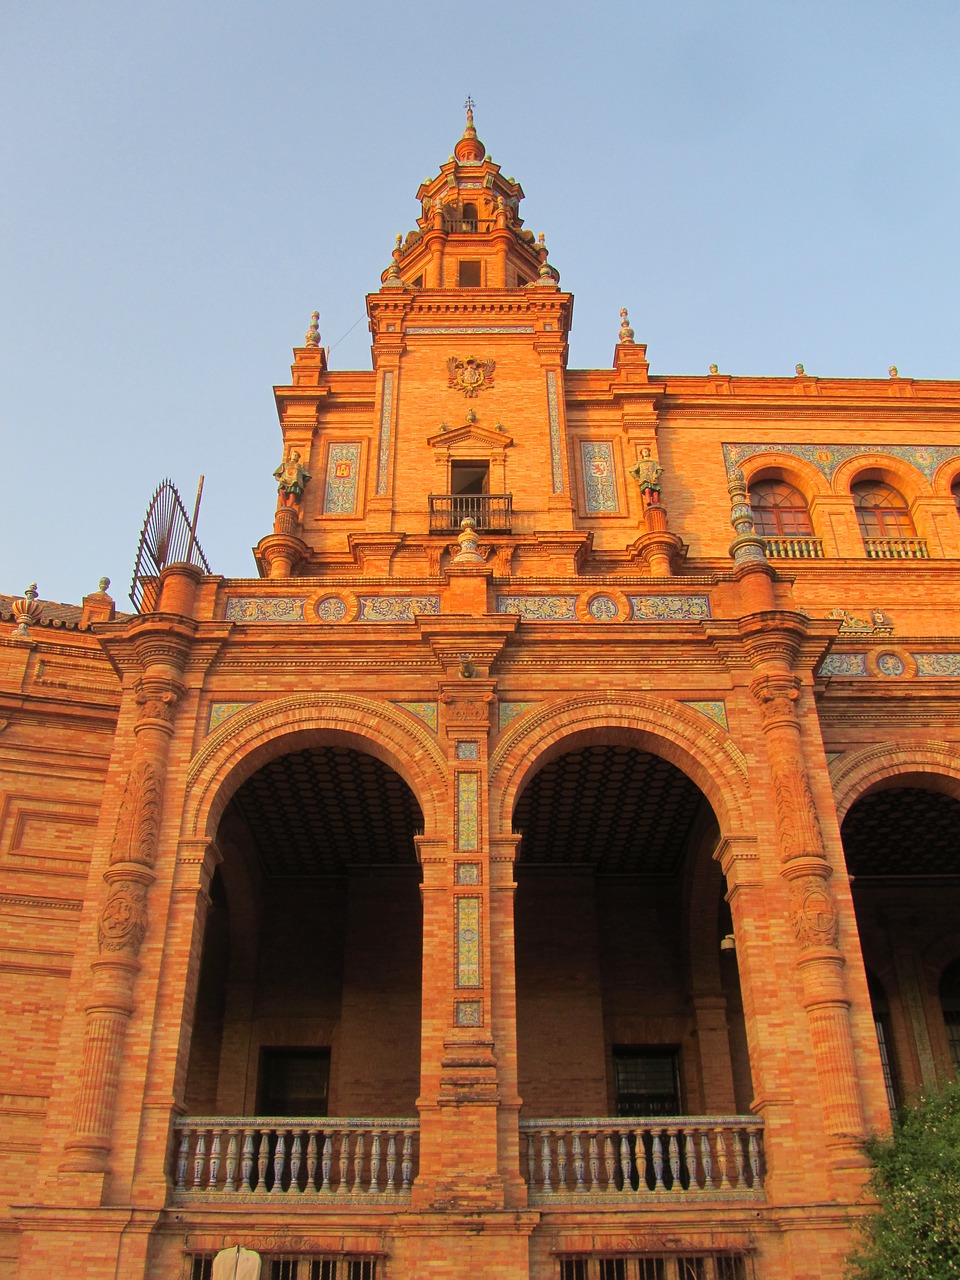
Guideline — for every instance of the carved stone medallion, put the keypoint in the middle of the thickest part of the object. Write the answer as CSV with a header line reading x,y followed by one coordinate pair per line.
x,y
471,375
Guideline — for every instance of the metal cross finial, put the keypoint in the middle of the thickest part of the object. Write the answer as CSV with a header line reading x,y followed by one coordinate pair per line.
x,y
469,104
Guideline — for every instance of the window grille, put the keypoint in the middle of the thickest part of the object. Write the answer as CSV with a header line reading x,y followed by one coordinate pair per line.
x,y
699,1266
199,1266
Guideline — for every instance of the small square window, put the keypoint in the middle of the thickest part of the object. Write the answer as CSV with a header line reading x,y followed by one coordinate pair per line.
x,y
293,1082
646,1080
468,273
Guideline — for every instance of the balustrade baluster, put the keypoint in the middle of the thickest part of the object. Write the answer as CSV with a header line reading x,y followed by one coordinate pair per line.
x,y
344,1162
263,1161
326,1162
610,1162
626,1164
738,1154
531,1161
673,1152
199,1155
706,1159
358,1165
722,1162
392,1164
295,1152
754,1149
545,1162
578,1160
183,1155
656,1136
407,1163
279,1159
690,1160
594,1163
561,1162
247,1160
232,1150
214,1170
312,1162
375,1163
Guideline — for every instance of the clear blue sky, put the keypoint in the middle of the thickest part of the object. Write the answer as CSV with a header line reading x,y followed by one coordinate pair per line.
x,y
183,183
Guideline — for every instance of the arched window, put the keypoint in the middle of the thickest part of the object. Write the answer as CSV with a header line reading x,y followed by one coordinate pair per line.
x,y
779,510
881,510
881,1022
470,216
955,490
950,1004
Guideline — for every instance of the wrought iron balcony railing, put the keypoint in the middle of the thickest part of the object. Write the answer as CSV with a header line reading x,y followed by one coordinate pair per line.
x,y
493,512
716,1156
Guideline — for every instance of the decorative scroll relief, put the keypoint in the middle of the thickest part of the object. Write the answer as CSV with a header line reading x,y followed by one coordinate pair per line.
x,y
468,805
138,816
386,415
715,711
468,942
553,410
828,457
540,608
221,711
509,711
123,921
670,608
395,608
343,466
425,711
599,476
937,664
265,608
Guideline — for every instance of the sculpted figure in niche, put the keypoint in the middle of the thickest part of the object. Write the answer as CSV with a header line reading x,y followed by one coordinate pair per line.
x,y
292,476
647,473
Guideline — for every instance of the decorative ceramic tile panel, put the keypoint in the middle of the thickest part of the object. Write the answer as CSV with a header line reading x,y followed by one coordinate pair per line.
x,y
468,873
509,711
553,410
827,457
425,711
386,413
395,608
669,608
471,328
331,609
468,1013
891,664
603,608
468,806
844,664
715,711
937,664
468,942
265,608
599,478
220,711
343,466
540,608
468,750
832,755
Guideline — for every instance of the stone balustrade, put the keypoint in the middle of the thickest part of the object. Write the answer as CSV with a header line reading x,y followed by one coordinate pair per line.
x,y
794,548
896,548
679,1155
219,1156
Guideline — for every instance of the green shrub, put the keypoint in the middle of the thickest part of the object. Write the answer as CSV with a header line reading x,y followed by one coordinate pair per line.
x,y
916,1181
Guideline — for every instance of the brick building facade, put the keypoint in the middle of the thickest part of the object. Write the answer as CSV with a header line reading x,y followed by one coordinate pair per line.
x,y
544,867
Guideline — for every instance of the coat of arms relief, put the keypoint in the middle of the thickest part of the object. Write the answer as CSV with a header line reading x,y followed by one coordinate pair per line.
x,y
471,375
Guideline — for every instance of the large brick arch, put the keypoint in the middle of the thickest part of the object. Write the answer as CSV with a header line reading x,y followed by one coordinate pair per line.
x,y
688,740
856,772
250,739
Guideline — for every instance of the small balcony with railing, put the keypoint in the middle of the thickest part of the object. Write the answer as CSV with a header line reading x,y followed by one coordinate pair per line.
x,y
492,512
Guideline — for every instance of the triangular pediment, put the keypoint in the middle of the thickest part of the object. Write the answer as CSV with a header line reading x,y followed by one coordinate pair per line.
x,y
471,433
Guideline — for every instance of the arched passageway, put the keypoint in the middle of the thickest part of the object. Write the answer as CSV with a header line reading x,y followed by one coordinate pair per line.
x,y
628,998
309,994
900,843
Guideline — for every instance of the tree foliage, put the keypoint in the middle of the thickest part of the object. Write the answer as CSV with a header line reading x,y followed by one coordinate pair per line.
x,y
915,1232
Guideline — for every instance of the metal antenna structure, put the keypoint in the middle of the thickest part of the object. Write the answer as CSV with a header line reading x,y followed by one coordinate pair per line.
x,y
168,536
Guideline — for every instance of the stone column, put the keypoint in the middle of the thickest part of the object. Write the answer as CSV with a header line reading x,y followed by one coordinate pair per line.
x,y
161,652
814,918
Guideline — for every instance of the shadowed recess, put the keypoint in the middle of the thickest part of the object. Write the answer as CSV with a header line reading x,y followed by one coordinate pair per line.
x,y
328,810
617,810
903,831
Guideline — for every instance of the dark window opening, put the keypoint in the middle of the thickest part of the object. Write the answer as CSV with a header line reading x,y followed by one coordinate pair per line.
x,y
468,273
647,1081
950,1004
881,1022
469,477
293,1082
470,217
418,283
